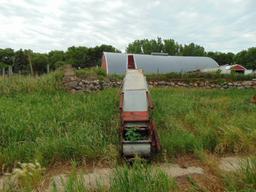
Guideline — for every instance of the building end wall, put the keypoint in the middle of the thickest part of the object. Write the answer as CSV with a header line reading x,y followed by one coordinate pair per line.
x,y
104,63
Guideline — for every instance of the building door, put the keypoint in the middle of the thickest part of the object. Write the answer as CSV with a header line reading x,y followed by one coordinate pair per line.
x,y
131,63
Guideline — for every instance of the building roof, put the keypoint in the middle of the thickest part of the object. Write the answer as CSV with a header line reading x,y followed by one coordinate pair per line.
x,y
237,67
116,63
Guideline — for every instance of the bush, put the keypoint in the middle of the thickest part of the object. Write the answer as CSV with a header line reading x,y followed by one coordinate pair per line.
x,y
91,73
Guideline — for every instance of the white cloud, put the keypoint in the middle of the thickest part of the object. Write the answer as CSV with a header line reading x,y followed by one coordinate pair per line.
x,y
227,25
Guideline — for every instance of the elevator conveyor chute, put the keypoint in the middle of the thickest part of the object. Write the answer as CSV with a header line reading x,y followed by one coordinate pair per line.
x,y
138,133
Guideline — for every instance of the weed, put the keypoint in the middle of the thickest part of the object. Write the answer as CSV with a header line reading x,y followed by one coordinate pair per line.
x,y
244,179
194,185
91,73
132,135
27,84
25,177
140,177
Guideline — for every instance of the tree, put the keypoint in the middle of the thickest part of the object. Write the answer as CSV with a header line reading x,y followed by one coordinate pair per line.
x,y
6,56
247,58
21,63
94,54
154,46
230,57
145,46
39,62
222,58
193,50
56,58
135,47
171,47
87,57
251,58
77,56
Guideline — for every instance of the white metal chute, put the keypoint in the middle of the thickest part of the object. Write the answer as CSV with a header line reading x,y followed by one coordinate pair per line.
x,y
137,130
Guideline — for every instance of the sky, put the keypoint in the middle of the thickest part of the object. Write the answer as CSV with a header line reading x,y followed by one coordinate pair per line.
x,y
44,25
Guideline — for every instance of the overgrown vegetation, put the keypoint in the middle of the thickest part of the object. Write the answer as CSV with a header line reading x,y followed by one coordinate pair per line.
x,y
95,73
132,135
140,177
197,76
40,121
244,179
214,120
98,73
20,84
91,73
25,177
136,178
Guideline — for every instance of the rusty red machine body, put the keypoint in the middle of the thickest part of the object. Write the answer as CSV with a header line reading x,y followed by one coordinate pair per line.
x,y
138,134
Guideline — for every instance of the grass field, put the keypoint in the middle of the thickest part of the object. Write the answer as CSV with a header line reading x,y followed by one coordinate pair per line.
x,y
57,126
39,120
51,125
215,120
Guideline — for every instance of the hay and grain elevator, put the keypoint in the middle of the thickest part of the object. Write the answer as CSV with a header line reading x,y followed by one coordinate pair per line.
x,y
138,134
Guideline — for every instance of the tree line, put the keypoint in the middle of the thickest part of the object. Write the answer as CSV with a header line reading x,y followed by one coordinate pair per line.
x,y
247,58
27,61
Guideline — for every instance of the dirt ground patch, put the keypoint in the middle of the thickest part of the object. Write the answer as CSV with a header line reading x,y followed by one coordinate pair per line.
x,y
189,172
230,163
199,182
102,175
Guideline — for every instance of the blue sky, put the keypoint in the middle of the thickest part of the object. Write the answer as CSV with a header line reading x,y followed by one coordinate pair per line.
x,y
223,25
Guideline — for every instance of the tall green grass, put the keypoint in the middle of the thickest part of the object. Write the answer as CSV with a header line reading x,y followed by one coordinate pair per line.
x,y
244,179
38,120
91,73
94,73
26,84
57,126
140,177
135,178
214,120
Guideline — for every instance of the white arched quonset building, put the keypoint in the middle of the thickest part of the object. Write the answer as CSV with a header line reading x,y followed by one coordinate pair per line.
x,y
118,63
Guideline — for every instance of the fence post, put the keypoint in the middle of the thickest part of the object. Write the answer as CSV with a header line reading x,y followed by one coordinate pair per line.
x,y
48,68
10,70
3,71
